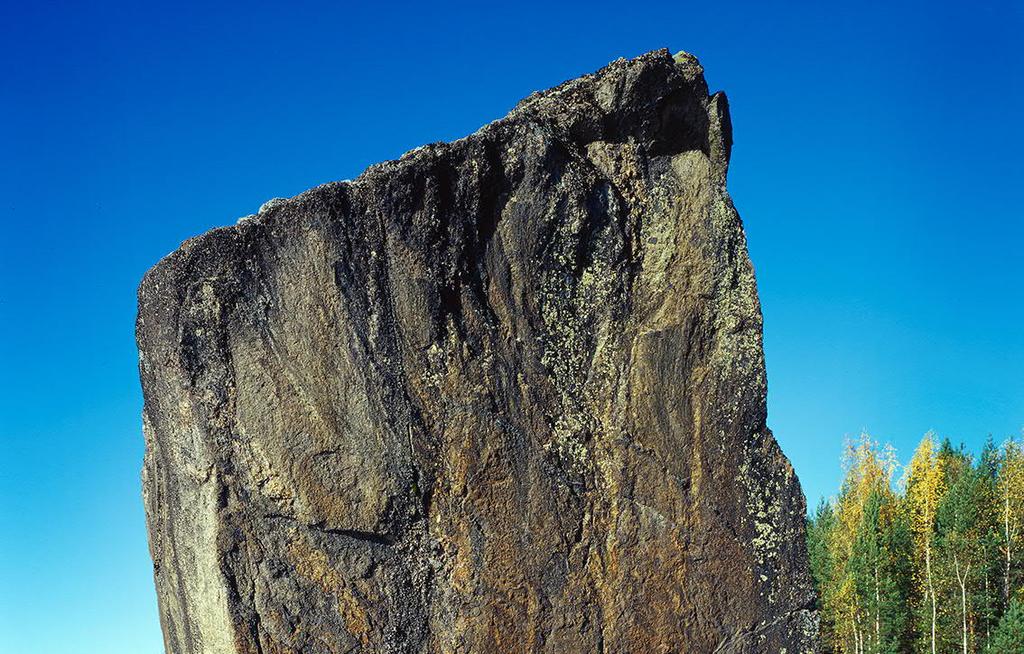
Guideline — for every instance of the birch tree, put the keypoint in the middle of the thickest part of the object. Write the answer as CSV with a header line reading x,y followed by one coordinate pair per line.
x,y
1010,496
924,490
857,586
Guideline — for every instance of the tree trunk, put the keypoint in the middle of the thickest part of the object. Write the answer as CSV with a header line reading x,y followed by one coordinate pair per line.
x,y
878,610
988,607
962,580
931,588
1006,534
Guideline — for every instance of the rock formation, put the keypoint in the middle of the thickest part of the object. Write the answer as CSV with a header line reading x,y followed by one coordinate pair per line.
x,y
505,394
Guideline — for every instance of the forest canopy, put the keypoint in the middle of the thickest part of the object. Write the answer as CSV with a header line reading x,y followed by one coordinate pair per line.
x,y
923,558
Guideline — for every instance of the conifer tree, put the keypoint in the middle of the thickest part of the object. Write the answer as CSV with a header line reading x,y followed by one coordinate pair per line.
x,y
819,530
879,558
1009,635
988,597
960,531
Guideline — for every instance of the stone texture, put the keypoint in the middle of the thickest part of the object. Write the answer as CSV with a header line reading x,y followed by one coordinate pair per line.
x,y
505,394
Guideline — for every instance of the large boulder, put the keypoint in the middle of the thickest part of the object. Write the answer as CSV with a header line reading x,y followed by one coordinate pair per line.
x,y
505,394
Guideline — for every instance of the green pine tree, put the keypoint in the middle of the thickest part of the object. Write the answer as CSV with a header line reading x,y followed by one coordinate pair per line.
x,y
988,595
879,563
819,530
897,581
1009,635
961,536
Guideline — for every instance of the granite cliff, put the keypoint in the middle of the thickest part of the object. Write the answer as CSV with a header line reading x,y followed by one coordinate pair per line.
x,y
505,394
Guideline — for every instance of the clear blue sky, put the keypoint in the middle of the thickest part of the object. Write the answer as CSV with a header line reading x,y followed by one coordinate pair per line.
x,y
877,166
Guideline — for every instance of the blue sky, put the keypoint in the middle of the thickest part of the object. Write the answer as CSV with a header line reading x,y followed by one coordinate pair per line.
x,y
877,166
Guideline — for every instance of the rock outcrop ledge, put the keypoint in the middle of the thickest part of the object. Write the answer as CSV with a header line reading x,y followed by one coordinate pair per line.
x,y
505,394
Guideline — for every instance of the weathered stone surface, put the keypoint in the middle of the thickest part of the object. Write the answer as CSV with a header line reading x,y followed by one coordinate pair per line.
x,y
505,394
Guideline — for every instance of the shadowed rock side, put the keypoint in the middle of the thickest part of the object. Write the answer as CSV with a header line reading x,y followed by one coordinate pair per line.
x,y
505,394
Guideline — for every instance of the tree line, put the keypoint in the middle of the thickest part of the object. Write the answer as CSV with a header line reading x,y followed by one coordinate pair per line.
x,y
924,558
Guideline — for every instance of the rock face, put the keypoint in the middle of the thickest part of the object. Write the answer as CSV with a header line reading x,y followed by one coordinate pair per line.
x,y
505,394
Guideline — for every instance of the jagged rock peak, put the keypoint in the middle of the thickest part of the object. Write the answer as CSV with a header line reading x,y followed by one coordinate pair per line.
x,y
505,394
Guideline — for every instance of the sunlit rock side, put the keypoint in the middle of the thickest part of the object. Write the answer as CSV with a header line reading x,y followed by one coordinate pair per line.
x,y
505,394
